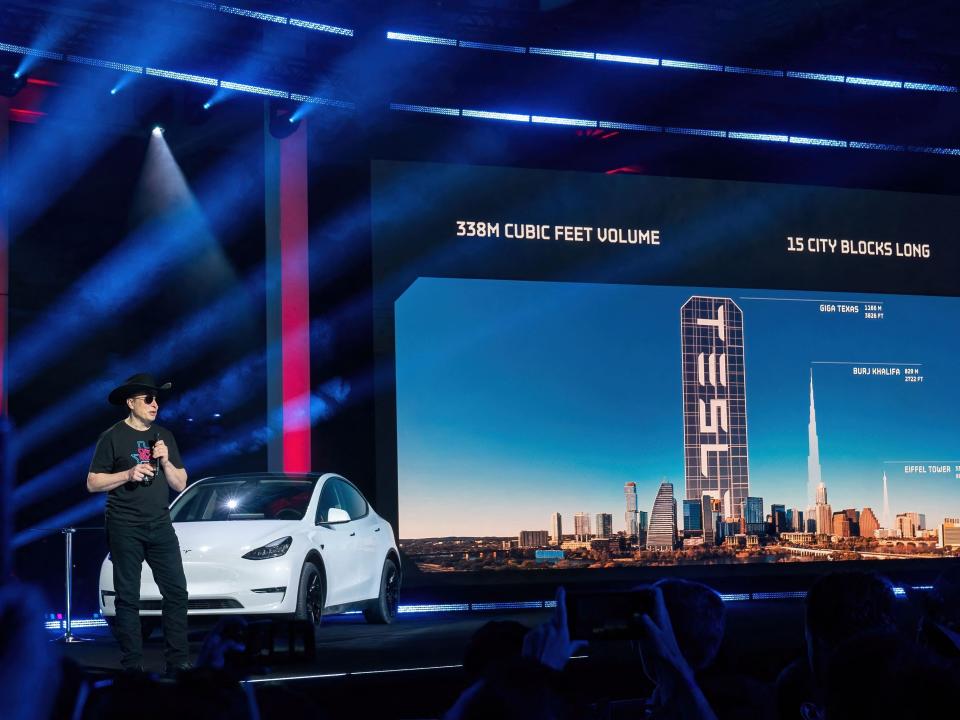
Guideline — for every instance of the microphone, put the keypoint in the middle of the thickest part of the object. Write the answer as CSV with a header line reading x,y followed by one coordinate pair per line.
x,y
155,462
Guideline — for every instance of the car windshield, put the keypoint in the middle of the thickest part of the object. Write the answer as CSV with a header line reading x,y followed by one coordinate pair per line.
x,y
249,498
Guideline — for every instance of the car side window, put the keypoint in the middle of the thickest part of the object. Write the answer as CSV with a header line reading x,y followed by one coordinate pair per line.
x,y
351,500
328,499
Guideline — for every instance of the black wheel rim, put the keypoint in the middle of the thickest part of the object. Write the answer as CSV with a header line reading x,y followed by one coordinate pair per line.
x,y
314,599
392,591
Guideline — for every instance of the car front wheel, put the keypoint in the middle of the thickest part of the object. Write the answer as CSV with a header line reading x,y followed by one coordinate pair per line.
x,y
310,595
386,606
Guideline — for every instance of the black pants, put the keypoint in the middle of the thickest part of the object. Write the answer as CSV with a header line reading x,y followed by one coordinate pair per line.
x,y
156,543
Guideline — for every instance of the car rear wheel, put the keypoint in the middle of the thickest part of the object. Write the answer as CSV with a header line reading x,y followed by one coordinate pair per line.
x,y
385,608
310,595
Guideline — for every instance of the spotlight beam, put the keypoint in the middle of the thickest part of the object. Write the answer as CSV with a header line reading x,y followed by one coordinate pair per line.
x,y
171,240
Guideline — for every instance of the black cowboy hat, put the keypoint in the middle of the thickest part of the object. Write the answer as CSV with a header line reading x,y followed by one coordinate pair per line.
x,y
139,383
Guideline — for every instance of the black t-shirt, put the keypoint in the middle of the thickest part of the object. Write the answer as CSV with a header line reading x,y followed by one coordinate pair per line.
x,y
119,449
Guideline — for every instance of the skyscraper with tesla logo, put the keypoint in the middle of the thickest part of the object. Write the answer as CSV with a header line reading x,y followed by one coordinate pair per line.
x,y
714,400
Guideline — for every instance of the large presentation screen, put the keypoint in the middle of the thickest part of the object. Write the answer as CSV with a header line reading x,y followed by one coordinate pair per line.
x,y
595,371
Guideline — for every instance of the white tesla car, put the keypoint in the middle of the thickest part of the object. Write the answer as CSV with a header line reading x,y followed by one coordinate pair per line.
x,y
276,544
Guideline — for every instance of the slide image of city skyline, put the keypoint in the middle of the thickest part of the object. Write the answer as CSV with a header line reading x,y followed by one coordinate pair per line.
x,y
518,399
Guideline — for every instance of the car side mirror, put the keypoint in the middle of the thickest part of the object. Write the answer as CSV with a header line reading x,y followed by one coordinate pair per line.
x,y
336,515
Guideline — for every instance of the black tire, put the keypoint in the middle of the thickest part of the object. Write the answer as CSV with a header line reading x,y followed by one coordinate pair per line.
x,y
311,595
384,609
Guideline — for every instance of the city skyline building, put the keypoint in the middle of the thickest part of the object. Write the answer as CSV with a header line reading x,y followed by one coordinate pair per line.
x,y
909,524
778,518
948,533
581,526
663,520
753,516
854,516
814,472
714,400
823,512
556,528
692,518
887,518
533,538
631,519
712,510
868,523
604,525
842,526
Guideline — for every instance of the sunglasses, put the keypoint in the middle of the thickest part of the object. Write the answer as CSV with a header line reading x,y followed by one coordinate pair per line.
x,y
147,399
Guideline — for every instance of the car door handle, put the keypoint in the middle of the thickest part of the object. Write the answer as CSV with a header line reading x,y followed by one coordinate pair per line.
x,y
377,530
352,534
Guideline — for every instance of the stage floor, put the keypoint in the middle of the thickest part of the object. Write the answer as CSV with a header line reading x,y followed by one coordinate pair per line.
x,y
348,645
344,645
413,668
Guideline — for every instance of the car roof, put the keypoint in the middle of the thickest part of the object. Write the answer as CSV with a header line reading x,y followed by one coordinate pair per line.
x,y
268,476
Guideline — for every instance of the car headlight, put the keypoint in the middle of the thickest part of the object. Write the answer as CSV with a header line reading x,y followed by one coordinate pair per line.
x,y
271,549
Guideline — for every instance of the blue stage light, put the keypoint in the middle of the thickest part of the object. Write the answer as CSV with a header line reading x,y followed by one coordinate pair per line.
x,y
519,605
930,87
206,105
321,27
789,595
686,65
517,49
934,150
752,71
107,64
342,104
874,82
68,518
488,115
32,52
576,122
637,127
631,59
433,608
430,109
582,55
157,131
75,623
875,146
695,131
734,597
428,39
254,89
265,17
763,137
113,91
824,77
185,77
817,141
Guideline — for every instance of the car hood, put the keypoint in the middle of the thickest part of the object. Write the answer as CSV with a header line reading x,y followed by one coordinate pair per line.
x,y
206,541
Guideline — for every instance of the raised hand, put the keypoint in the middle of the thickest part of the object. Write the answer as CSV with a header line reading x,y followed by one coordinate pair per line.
x,y
549,643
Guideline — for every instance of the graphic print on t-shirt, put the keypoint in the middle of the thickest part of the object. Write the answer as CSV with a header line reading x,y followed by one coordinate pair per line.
x,y
142,455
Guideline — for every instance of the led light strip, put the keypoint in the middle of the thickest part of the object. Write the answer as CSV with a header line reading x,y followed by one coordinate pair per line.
x,y
898,590
678,64
184,77
106,64
180,76
699,132
269,17
33,52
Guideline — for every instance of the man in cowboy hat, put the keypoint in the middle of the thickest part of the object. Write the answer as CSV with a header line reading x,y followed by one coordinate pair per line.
x,y
135,463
